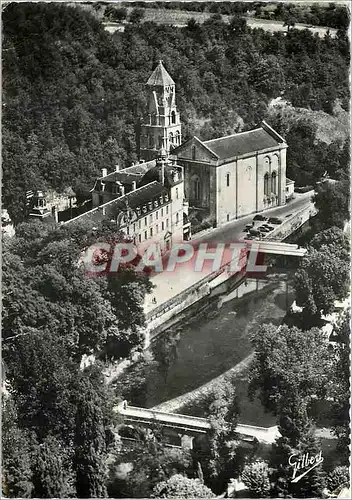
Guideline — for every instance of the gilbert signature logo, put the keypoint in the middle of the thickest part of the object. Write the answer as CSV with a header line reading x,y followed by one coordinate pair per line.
x,y
302,462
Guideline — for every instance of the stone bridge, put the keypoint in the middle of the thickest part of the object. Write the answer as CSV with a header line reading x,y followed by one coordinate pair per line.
x,y
188,427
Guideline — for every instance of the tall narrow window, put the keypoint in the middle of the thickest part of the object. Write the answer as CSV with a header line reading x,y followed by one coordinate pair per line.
x,y
177,218
266,184
196,188
145,221
145,235
176,193
177,138
173,117
162,226
227,180
273,183
151,231
193,152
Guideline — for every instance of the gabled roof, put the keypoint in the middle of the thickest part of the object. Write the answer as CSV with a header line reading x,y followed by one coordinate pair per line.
x,y
245,142
160,77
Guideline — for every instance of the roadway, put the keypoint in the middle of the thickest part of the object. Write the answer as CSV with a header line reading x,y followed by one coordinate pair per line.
x,y
169,284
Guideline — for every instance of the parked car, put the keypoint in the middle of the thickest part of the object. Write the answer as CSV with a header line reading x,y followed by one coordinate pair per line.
x,y
249,226
275,220
288,215
260,217
254,232
264,229
251,237
269,228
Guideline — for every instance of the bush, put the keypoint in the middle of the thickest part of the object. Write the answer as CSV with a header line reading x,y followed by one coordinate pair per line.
x,y
338,478
179,486
137,15
256,477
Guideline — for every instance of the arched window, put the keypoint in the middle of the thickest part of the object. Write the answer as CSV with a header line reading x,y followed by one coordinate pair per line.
x,y
266,184
151,141
273,183
196,187
171,138
173,117
275,163
177,135
193,152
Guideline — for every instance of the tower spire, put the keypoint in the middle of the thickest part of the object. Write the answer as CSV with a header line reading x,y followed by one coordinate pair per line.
x,y
161,126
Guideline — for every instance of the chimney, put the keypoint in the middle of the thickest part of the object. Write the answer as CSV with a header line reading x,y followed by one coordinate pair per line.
x,y
55,214
122,190
134,185
117,168
104,172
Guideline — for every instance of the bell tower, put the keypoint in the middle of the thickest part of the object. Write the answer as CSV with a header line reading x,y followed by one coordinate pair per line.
x,y
161,127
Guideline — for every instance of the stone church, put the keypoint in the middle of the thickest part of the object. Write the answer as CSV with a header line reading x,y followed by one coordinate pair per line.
x,y
225,178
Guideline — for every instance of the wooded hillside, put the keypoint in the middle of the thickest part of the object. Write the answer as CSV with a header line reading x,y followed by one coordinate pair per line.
x,y
73,93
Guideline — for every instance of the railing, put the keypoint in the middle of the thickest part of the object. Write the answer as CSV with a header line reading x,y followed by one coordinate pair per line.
x,y
199,424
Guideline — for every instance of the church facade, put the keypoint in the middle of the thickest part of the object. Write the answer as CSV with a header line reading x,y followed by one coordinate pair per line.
x,y
229,177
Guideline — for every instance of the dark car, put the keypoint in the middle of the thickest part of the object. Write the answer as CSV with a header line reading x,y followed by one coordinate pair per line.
x,y
249,226
269,228
254,232
251,237
264,229
288,215
260,217
275,220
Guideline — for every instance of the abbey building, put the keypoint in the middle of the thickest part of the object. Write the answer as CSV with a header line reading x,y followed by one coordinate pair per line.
x,y
233,176
220,180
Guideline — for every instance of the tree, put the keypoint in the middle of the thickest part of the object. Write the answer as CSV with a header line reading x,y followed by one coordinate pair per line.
x,y
179,486
332,202
338,478
116,14
321,278
92,434
332,237
137,15
51,476
289,371
17,455
151,463
256,477
340,388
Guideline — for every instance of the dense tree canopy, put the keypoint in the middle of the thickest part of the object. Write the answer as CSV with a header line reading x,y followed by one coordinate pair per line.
x,y
73,93
290,370
333,201
323,275
58,413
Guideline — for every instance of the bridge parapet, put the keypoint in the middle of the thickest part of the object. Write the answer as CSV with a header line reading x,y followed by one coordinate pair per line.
x,y
198,425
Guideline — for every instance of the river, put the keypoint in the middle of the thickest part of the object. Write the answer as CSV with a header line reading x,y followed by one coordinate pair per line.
x,y
218,339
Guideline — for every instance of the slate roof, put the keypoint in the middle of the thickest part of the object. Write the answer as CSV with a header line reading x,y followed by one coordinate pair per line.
x,y
141,196
127,175
160,77
241,144
138,198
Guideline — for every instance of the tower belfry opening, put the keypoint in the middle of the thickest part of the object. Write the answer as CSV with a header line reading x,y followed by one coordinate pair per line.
x,y
161,127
